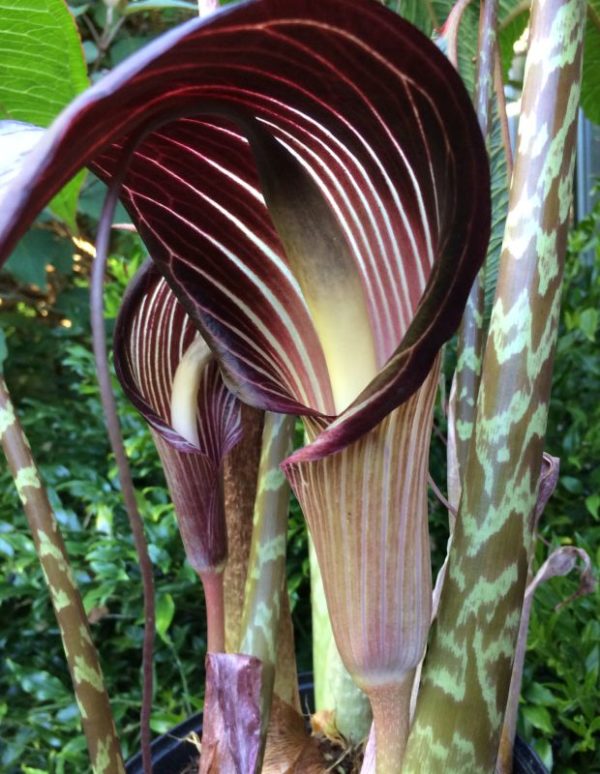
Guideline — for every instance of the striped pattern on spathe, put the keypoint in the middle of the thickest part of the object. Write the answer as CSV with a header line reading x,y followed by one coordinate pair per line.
x,y
382,125
367,509
152,334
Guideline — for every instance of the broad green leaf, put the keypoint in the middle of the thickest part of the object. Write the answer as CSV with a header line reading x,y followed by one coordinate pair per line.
x,y
592,503
544,750
590,83
125,47
421,13
588,323
38,248
41,70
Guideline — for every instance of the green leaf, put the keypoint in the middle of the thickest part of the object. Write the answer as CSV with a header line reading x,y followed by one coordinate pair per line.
x,y
3,349
571,484
41,70
42,685
510,30
592,503
38,248
539,717
125,47
165,610
590,83
540,694
421,14
588,323
544,750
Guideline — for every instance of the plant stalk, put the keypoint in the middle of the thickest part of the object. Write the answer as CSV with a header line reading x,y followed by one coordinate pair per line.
x,y
465,387
214,594
116,442
391,720
82,657
265,582
240,476
334,687
467,675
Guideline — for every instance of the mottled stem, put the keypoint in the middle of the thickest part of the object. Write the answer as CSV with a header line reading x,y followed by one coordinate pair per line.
x,y
82,657
504,764
240,475
265,581
116,442
463,396
467,675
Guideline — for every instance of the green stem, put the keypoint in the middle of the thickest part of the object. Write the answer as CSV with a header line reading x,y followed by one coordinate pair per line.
x,y
265,581
466,679
82,657
471,339
334,687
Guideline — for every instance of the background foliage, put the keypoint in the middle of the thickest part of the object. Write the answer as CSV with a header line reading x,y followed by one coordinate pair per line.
x,y
50,371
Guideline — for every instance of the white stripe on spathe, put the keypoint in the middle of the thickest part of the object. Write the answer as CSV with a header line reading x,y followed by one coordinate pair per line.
x,y
297,386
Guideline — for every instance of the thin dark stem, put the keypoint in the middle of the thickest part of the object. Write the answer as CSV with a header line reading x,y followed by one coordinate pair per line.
x,y
438,493
501,104
451,26
116,441
212,583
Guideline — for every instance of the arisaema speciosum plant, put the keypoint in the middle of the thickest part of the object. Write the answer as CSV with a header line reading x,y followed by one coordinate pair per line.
x,y
312,186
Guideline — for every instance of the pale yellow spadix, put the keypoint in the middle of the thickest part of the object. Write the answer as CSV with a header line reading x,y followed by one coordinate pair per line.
x,y
320,258
342,324
184,393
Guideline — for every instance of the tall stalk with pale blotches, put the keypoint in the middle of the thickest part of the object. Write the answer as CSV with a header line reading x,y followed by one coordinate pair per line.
x,y
82,657
471,336
266,578
467,675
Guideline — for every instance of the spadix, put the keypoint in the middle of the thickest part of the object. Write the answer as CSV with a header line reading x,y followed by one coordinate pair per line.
x,y
184,393
169,374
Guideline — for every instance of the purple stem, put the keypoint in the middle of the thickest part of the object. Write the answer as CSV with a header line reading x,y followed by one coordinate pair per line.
x,y
116,442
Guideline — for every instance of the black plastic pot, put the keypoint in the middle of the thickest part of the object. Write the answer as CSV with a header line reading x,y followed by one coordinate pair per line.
x,y
171,754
